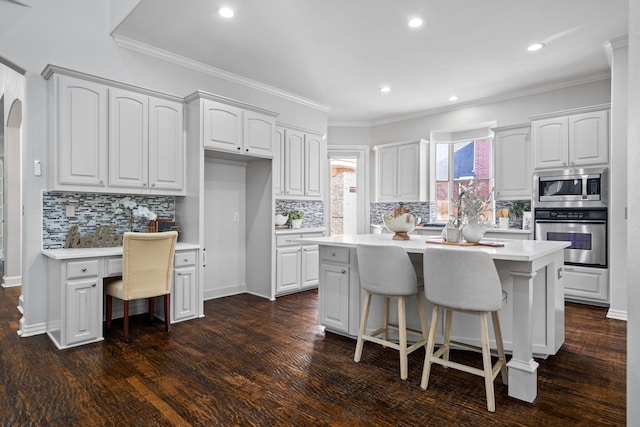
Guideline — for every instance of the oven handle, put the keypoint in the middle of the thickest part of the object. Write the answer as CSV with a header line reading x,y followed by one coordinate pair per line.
x,y
543,221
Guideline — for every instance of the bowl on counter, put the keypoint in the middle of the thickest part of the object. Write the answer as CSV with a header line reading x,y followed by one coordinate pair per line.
x,y
400,225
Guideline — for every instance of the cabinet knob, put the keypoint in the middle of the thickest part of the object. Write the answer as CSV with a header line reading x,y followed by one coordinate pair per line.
x,y
84,269
186,260
246,149
94,285
144,184
343,271
333,254
239,148
153,185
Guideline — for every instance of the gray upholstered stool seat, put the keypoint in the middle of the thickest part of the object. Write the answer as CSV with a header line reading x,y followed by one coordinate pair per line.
x,y
387,271
466,281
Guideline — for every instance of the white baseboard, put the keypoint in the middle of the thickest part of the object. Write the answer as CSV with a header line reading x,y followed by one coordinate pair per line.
x,y
11,281
617,314
31,330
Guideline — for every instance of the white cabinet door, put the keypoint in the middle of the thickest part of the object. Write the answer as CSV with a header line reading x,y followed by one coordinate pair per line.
x,y
83,311
288,269
294,163
334,297
166,145
310,265
277,167
408,172
184,295
81,118
222,127
551,141
513,163
589,138
387,174
312,166
258,134
586,284
128,139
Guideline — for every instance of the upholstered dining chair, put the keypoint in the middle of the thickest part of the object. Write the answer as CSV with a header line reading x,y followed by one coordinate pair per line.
x,y
387,271
147,267
468,282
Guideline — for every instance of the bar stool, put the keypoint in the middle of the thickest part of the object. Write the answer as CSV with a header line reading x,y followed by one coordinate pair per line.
x,y
387,271
465,281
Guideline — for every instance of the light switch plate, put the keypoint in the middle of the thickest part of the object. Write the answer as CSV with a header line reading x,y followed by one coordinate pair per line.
x,y
70,211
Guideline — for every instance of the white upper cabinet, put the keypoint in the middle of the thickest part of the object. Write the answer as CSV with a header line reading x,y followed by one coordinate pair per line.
x,y
128,139
166,145
571,140
79,121
301,163
233,129
113,137
401,172
513,162
277,164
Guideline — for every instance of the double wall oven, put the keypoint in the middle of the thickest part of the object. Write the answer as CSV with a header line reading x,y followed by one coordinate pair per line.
x,y
571,205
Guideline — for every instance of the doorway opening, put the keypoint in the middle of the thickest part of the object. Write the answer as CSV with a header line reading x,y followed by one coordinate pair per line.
x,y
347,209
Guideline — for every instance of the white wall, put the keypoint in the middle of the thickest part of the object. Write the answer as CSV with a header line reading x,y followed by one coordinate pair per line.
x,y
633,223
75,34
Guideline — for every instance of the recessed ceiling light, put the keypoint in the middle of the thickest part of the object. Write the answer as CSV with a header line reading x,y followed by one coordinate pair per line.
x,y
415,22
225,12
453,98
535,46
385,89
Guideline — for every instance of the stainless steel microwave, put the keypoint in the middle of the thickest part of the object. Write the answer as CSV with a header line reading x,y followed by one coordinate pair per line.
x,y
586,187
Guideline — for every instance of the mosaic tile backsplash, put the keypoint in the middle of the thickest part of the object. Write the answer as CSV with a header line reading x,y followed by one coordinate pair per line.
x,y
313,211
92,210
425,210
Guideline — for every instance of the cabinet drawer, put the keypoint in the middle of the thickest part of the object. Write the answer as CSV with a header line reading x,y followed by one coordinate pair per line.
x,y
288,240
86,268
182,259
113,266
334,254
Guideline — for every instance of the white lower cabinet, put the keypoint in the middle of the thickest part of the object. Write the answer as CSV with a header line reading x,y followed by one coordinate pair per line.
x,y
586,284
184,291
335,293
83,300
296,263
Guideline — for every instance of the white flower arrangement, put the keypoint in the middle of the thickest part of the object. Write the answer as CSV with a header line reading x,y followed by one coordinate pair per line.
x,y
134,210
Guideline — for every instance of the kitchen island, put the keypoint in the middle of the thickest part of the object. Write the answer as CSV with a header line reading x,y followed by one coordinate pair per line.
x,y
532,318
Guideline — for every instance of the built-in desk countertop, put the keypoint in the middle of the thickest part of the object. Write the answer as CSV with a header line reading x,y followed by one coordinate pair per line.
x,y
79,253
530,271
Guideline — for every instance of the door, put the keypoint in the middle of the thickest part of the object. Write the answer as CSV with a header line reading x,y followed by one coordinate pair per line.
x,y
166,145
84,311
387,179
184,293
288,269
310,265
551,143
294,163
258,134
347,176
313,168
222,126
334,304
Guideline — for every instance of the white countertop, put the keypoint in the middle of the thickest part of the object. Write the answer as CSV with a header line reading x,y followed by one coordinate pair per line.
x,y
489,230
100,252
514,250
300,230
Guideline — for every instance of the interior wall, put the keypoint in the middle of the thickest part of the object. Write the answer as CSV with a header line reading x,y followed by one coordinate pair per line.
x,y
75,34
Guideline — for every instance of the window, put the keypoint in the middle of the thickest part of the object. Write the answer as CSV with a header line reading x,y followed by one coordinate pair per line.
x,y
456,164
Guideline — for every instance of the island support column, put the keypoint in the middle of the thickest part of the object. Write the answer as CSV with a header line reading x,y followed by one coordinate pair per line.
x,y
523,370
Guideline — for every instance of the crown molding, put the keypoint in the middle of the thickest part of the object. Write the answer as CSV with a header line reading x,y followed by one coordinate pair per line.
x,y
482,101
165,55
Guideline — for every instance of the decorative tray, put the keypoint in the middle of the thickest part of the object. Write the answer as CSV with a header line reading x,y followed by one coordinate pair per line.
x,y
465,243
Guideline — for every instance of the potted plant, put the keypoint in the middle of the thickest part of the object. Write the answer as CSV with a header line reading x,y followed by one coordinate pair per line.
x,y
296,219
473,207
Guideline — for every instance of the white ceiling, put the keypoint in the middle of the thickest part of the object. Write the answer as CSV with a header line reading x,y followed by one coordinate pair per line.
x,y
340,52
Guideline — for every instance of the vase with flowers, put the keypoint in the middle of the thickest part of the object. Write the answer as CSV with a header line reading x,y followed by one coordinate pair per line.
x,y
135,210
473,205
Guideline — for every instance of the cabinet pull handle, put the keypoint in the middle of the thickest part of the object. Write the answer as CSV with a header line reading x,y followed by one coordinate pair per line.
x,y
333,254
84,269
343,271
94,285
153,185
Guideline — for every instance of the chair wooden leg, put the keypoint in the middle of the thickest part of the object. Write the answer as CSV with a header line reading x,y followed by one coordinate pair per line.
x,y
126,320
402,332
109,310
448,320
423,315
431,343
152,301
497,331
363,327
385,319
486,362
167,312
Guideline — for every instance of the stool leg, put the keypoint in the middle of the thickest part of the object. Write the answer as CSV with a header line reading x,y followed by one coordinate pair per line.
x,y
363,327
486,362
385,319
431,343
423,315
448,319
497,331
402,331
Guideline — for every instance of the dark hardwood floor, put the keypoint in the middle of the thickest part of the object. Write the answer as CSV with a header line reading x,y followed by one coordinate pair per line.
x,y
253,362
